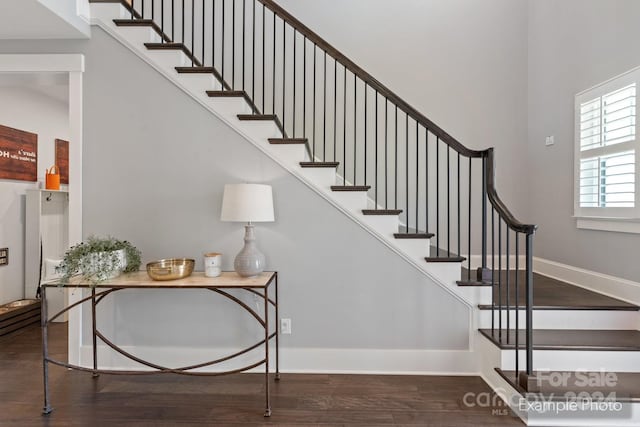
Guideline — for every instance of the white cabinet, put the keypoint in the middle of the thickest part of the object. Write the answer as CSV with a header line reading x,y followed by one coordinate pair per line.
x,y
46,221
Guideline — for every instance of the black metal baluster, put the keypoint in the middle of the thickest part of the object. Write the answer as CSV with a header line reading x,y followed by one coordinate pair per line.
x,y
395,195
213,35
529,303
517,304
449,203
366,87
324,102
173,18
273,87
376,156
304,89
142,9
293,132
222,46
426,184
182,39
264,56
202,32
162,21
193,32
506,229
244,24
437,196
484,214
386,153
315,54
253,58
133,8
233,44
459,212
499,277
284,77
355,129
417,178
406,168
493,268
470,197
344,129
335,109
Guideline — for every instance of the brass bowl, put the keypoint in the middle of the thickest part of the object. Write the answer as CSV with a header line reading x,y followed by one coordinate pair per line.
x,y
170,269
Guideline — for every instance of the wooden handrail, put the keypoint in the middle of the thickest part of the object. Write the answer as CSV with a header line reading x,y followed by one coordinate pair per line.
x,y
497,203
369,79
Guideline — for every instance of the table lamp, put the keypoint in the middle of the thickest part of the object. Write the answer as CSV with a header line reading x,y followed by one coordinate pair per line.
x,y
248,203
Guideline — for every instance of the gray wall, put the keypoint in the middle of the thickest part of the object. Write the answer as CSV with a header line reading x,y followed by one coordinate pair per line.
x,y
462,63
574,45
154,166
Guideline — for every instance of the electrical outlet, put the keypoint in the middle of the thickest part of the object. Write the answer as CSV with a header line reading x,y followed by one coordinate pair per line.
x,y
4,256
285,326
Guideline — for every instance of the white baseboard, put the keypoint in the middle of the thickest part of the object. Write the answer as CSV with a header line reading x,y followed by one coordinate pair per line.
x,y
300,360
614,287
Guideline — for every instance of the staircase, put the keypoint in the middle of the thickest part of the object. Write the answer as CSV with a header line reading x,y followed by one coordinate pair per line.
x,y
397,174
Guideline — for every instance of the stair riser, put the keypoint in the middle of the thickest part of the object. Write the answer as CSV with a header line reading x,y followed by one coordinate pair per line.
x,y
198,84
384,224
258,130
321,177
353,201
228,107
140,35
291,154
169,59
566,319
573,360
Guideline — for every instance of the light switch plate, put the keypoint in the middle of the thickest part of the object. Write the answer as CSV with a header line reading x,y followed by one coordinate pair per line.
x,y
549,140
4,256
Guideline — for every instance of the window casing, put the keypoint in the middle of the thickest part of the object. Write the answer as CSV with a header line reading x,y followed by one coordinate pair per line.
x,y
607,153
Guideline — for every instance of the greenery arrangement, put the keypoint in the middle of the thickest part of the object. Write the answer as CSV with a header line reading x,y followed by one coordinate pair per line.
x,y
98,259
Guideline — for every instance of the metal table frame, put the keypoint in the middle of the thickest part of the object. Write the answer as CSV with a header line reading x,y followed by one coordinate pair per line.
x,y
258,286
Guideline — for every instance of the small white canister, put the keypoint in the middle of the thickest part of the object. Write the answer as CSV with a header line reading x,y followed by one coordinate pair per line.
x,y
212,264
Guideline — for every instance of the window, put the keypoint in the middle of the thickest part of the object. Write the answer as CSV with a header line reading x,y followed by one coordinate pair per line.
x,y
607,153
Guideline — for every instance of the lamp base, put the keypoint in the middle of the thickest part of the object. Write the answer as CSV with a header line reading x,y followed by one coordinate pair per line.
x,y
250,261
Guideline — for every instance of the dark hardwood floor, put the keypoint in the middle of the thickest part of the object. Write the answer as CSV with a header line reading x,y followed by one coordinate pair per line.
x,y
170,400
552,294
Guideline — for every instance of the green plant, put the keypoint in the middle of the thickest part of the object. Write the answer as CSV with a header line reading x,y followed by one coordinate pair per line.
x,y
98,259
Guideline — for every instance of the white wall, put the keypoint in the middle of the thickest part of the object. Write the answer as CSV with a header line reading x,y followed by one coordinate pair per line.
x,y
27,109
574,45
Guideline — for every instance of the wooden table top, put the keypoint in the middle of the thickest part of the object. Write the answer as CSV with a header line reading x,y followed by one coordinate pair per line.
x,y
140,279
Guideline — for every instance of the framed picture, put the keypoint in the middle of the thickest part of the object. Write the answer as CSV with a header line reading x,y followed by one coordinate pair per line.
x,y
62,159
18,154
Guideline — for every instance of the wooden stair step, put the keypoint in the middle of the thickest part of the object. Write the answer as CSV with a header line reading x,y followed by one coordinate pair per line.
x,y
441,255
625,385
195,70
413,235
319,164
287,141
553,294
381,212
350,187
165,46
257,117
227,94
568,339
134,23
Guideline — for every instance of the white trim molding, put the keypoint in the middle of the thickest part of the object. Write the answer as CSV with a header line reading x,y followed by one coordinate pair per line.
x,y
41,63
612,286
620,225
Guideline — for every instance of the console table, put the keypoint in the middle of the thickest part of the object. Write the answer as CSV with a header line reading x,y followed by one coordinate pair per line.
x,y
259,286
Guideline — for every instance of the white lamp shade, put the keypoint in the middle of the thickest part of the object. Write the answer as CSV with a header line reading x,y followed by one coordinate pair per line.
x,y
247,203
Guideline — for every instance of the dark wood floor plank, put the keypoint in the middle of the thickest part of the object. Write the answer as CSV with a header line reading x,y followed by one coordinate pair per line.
x,y
236,400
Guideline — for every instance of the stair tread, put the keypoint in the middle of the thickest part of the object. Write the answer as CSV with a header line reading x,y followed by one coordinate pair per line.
x,y
441,255
265,117
134,22
413,235
168,45
625,385
381,211
195,70
287,141
350,187
569,339
227,94
553,294
319,164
